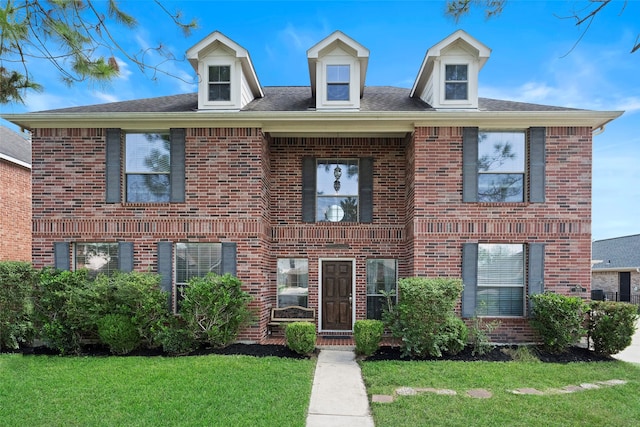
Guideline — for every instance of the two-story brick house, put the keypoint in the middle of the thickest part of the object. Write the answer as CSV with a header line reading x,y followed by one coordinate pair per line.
x,y
322,196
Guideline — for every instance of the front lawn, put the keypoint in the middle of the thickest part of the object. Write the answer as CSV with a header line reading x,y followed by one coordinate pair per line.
x,y
138,391
606,406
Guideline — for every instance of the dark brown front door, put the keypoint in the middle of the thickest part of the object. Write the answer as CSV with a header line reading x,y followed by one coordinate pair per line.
x,y
336,295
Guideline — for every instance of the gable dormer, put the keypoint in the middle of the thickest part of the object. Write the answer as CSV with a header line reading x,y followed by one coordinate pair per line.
x,y
337,69
448,77
226,77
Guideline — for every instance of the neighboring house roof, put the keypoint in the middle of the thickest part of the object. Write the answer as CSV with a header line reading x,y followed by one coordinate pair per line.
x,y
14,147
617,254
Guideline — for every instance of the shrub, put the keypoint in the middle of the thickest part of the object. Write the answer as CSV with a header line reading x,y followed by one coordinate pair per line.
x,y
612,325
139,297
558,319
215,308
454,335
176,338
423,316
63,307
119,333
479,332
301,337
367,334
17,280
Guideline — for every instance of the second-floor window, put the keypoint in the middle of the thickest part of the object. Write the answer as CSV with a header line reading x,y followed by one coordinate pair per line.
x,y
147,167
456,82
501,166
338,82
220,83
337,190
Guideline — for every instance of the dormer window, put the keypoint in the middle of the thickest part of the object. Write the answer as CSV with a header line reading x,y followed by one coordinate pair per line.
x,y
338,77
220,83
456,84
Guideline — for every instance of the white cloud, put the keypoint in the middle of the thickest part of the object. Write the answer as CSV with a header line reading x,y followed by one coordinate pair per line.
x,y
105,97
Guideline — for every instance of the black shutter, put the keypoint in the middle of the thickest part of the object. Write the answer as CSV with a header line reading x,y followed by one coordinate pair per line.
x,y
470,164
165,268
61,256
229,258
536,270
125,257
469,278
177,165
308,189
113,166
537,137
365,182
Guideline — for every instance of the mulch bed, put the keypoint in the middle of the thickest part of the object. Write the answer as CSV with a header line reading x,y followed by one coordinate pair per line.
x,y
497,354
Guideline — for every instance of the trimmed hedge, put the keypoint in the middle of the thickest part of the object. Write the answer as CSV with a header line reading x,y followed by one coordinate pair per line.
x,y
367,335
559,320
301,337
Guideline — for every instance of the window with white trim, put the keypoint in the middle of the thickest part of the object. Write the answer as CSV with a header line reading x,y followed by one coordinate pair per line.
x,y
147,167
337,192
98,258
456,82
501,280
338,78
293,282
219,83
501,166
382,282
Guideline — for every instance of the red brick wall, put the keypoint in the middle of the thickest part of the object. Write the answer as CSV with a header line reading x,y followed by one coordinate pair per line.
x,y
245,188
442,223
15,212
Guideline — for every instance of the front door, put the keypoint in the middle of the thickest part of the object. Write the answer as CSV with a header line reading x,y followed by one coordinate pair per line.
x,y
625,286
336,295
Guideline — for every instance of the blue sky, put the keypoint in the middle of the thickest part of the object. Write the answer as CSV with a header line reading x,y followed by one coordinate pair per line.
x,y
532,61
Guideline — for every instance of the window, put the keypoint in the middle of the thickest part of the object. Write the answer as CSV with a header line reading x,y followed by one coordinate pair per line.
x,y
147,167
98,258
501,166
338,82
195,260
220,83
293,282
382,276
500,280
337,190
456,82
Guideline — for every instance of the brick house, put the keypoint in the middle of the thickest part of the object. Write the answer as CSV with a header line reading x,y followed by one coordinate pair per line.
x,y
615,271
15,196
322,196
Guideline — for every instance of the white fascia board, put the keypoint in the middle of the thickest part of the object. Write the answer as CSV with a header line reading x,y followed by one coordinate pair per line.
x,y
392,121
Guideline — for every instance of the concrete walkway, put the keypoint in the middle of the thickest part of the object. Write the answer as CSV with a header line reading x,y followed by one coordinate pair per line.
x,y
338,396
631,353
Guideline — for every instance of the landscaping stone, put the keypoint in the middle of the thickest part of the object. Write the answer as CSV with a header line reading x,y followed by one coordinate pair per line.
x,y
532,391
589,386
612,382
479,393
572,388
381,398
406,391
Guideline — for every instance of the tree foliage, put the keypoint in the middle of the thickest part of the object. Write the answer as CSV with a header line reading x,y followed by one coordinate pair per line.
x,y
82,39
582,17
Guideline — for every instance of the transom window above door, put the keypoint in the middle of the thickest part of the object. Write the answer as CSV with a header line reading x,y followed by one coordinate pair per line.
x,y
337,190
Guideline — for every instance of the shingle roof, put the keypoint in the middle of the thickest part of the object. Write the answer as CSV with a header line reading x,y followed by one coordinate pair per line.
x,y
298,98
14,145
620,252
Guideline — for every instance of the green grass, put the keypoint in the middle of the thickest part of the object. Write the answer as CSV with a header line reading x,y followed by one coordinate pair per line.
x,y
138,391
610,406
